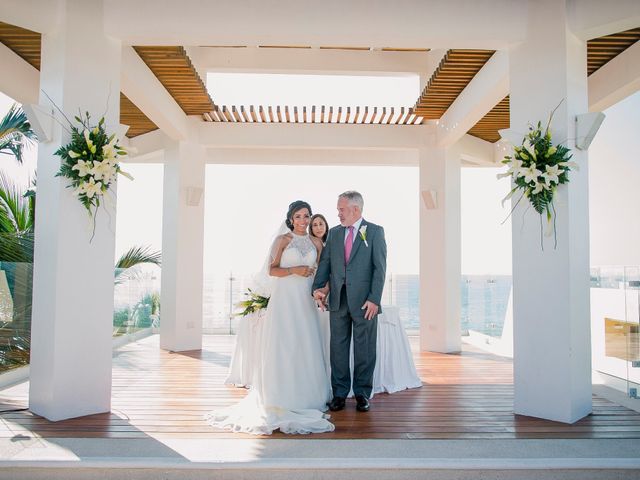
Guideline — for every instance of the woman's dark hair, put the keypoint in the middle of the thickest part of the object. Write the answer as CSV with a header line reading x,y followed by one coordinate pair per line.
x,y
326,226
293,208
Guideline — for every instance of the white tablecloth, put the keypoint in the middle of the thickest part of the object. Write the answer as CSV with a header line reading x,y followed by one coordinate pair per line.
x,y
394,369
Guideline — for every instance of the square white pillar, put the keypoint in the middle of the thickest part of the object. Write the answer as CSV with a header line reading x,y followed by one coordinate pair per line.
x,y
552,349
440,249
182,247
72,322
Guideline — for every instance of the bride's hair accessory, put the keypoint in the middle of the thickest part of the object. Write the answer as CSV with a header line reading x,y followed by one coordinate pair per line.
x,y
293,208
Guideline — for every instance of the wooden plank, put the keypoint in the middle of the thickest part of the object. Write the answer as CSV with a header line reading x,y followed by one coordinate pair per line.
x,y
245,115
236,115
174,69
465,396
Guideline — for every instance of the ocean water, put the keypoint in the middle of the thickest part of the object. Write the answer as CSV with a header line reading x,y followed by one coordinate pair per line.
x,y
484,301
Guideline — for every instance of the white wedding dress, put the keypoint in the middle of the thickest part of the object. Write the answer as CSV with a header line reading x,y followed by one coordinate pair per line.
x,y
290,386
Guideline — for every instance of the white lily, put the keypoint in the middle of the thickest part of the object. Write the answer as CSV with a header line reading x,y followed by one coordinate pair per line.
x,y
125,174
92,188
83,168
109,152
515,166
73,154
551,174
363,234
538,187
530,173
102,170
573,165
529,148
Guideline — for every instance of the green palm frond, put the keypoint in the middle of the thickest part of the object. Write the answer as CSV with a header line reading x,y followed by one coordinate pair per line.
x,y
16,247
138,255
135,256
16,211
15,132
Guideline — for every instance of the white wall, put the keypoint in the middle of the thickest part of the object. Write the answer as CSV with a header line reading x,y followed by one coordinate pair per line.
x,y
614,186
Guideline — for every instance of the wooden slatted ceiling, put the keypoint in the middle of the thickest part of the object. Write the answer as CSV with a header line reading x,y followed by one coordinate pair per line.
x,y
313,114
131,115
27,45
173,67
602,50
497,119
23,42
454,73
599,52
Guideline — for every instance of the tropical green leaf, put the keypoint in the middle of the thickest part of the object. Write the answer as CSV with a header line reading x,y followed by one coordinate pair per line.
x,y
137,255
15,132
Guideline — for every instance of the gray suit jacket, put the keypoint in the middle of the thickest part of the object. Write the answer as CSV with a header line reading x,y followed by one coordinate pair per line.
x,y
363,276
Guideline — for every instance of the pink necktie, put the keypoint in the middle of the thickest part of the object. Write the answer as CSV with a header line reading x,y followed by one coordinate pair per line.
x,y
348,245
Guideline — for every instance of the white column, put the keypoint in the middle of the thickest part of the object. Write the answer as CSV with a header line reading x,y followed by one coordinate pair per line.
x,y
552,360
71,338
182,247
439,250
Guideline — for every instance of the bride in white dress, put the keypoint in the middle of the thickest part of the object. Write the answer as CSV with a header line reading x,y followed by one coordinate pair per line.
x,y
290,388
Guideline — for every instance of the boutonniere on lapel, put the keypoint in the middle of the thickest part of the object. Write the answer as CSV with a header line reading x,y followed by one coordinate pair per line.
x,y
363,234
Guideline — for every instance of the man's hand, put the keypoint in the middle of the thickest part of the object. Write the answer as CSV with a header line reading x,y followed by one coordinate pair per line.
x,y
320,296
370,310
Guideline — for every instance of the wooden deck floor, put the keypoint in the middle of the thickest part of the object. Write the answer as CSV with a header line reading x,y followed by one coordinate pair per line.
x,y
160,394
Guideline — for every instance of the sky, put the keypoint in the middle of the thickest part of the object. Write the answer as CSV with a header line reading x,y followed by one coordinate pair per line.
x,y
237,232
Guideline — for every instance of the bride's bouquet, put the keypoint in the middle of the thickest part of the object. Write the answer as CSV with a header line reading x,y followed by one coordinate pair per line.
x,y
254,303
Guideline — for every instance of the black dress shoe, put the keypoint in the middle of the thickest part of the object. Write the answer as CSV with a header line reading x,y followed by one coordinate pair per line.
x,y
362,403
336,404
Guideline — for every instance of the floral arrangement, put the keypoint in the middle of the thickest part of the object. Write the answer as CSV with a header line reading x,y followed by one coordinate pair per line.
x,y
537,168
91,161
252,304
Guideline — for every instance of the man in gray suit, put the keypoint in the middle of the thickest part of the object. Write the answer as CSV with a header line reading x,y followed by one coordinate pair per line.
x,y
354,262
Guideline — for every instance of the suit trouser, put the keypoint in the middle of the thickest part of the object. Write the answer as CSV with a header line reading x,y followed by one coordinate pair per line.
x,y
365,333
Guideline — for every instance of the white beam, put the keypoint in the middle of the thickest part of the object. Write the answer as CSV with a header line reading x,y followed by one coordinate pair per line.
x,y
301,156
19,80
476,152
149,147
596,18
144,89
321,136
312,60
615,80
378,23
37,15
484,91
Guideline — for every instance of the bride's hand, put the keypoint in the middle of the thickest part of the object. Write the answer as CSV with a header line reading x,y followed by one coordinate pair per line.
x,y
303,271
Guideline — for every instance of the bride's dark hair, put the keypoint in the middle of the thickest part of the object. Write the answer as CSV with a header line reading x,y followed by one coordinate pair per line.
x,y
293,208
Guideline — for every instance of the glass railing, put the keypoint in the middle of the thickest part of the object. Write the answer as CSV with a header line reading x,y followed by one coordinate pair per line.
x,y
16,280
136,300
615,321
485,302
